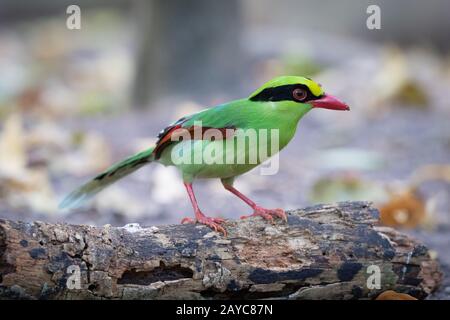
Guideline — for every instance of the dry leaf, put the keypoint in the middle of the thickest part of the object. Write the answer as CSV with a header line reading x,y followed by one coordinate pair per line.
x,y
404,209
12,146
395,81
392,295
21,186
347,186
430,172
92,156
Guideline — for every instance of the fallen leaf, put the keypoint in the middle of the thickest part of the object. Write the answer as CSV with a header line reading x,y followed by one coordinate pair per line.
x,y
392,295
12,146
396,83
91,156
404,209
347,187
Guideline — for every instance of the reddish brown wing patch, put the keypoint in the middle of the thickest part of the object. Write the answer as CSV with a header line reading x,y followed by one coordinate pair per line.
x,y
175,132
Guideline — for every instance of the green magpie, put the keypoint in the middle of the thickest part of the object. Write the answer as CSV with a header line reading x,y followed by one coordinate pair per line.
x,y
278,106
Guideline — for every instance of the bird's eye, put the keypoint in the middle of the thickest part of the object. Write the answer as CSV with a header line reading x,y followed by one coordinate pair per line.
x,y
299,94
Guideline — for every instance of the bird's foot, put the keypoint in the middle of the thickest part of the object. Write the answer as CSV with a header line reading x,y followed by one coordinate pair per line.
x,y
267,214
213,223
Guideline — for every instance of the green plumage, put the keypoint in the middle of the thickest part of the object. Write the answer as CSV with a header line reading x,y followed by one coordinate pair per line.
x,y
273,106
242,114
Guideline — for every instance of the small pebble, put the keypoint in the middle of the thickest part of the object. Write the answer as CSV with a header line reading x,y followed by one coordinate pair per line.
x,y
132,227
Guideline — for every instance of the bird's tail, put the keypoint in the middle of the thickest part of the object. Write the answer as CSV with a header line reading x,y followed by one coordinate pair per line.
x,y
104,179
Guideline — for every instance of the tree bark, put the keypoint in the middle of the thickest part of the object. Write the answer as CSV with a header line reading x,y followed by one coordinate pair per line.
x,y
187,48
323,252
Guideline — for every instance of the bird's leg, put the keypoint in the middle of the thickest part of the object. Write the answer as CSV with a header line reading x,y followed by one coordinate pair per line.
x,y
213,223
257,210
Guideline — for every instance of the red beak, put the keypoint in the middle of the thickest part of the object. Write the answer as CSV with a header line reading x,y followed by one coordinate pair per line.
x,y
329,102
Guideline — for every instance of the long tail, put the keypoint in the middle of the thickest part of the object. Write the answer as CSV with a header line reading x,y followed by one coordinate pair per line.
x,y
104,179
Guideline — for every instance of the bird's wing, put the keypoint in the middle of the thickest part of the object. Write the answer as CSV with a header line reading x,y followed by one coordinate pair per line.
x,y
222,118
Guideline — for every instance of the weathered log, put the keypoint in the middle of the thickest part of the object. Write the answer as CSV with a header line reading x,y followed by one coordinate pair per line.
x,y
322,252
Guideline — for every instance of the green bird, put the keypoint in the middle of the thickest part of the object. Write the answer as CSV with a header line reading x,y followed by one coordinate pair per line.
x,y
224,142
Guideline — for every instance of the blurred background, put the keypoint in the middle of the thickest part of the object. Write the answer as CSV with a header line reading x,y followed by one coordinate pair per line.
x,y
72,102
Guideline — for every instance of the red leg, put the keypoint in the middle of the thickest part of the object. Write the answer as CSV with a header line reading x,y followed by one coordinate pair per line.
x,y
258,211
213,223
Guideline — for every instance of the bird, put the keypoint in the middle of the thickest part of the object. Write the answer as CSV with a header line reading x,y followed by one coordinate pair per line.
x,y
277,106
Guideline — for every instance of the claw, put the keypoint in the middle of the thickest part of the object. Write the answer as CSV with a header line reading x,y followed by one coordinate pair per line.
x,y
187,220
213,223
280,213
267,214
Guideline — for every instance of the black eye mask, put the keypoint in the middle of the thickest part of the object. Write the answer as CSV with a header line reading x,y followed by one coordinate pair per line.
x,y
283,93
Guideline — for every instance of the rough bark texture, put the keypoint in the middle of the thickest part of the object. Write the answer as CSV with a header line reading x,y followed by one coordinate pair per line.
x,y
322,252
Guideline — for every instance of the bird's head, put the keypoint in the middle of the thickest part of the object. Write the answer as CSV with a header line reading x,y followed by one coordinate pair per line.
x,y
294,91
